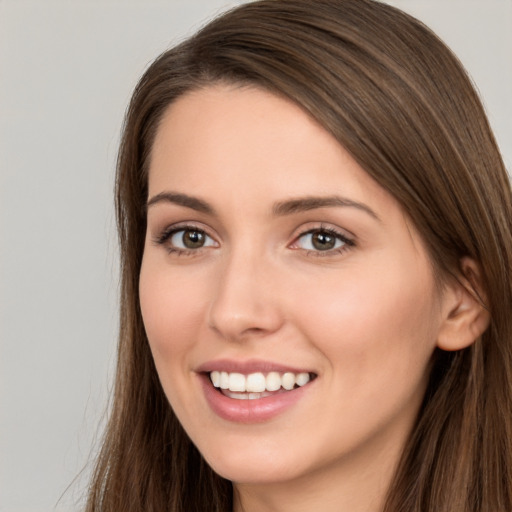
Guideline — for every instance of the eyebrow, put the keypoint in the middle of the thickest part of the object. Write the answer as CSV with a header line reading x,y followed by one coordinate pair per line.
x,y
303,204
280,209
182,200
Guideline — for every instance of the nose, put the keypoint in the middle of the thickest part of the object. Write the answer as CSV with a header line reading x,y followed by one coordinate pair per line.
x,y
245,303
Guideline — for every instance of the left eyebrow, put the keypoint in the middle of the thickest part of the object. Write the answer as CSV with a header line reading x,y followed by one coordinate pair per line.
x,y
303,204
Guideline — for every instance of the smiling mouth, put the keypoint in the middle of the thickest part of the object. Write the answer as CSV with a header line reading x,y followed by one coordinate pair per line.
x,y
257,385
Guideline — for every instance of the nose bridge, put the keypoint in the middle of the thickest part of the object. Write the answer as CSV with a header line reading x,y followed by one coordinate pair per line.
x,y
244,302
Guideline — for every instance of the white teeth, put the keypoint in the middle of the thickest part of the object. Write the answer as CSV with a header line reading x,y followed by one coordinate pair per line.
x,y
215,376
256,384
288,381
246,396
237,382
224,380
237,396
273,381
302,378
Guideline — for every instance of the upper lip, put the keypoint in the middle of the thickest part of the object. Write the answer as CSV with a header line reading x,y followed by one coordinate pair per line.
x,y
247,367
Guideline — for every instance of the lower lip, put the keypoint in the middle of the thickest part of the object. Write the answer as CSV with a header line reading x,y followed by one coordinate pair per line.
x,y
250,411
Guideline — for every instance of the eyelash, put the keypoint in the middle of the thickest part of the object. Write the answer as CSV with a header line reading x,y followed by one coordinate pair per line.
x,y
169,232
347,242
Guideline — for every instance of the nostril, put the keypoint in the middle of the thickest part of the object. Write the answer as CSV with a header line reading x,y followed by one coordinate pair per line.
x,y
237,324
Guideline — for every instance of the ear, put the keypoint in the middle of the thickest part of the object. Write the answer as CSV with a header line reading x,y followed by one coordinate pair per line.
x,y
465,315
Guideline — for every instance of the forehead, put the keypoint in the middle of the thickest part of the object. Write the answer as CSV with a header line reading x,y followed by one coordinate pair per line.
x,y
232,134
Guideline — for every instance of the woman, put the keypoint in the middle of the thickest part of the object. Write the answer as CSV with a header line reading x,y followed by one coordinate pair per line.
x,y
316,240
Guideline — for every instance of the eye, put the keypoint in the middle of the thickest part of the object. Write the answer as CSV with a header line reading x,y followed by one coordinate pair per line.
x,y
190,239
185,239
322,240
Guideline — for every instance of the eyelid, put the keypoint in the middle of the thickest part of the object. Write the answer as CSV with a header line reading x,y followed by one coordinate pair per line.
x,y
341,234
207,241
311,227
165,234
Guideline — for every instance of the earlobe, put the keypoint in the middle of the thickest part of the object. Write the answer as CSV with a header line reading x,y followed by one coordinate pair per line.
x,y
466,316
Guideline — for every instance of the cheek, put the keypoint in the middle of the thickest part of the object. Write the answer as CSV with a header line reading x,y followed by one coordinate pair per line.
x,y
171,310
374,330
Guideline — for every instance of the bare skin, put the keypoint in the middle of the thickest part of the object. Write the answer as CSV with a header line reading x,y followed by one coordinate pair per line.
x,y
267,242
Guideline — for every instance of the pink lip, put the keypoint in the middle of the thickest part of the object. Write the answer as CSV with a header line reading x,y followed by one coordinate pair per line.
x,y
246,367
249,411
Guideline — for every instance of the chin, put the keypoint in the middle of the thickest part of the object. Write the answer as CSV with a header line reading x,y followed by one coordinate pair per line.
x,y
254,467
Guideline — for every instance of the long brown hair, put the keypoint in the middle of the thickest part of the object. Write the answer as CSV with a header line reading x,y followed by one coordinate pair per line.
x,y
400,102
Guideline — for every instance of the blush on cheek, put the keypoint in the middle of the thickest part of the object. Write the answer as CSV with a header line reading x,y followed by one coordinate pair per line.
x,y
372,320
170,312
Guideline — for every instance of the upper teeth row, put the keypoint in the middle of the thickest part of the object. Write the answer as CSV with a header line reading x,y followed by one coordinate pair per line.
x,y
258,382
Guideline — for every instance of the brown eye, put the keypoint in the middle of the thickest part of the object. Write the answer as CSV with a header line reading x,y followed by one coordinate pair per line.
x,y
323,241
190,239
193,239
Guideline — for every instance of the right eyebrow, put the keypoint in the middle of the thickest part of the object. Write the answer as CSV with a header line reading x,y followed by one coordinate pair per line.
x,y
179,199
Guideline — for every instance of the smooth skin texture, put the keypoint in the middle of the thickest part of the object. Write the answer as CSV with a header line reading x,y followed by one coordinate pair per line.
x,y
235,273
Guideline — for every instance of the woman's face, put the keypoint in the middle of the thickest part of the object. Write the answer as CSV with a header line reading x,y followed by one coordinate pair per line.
x,y
272,258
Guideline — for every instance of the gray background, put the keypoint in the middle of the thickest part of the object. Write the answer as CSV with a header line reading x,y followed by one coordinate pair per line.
x,y
66,72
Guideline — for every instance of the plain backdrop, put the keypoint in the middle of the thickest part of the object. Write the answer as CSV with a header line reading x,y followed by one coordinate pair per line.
x,y
67,69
